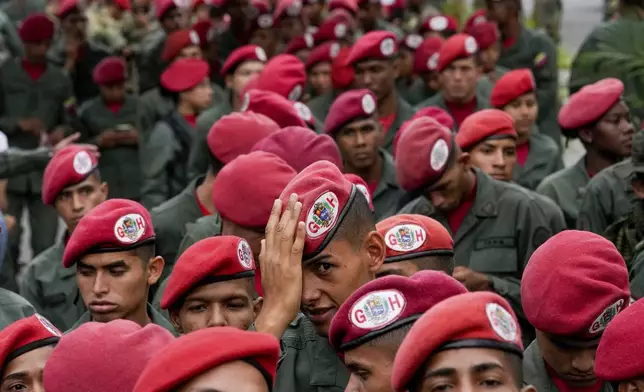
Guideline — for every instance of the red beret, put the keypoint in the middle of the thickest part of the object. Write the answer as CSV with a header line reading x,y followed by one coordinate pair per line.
x,y
325,194
246,202
439,24
485,33
241,55
511,86
287,8
490,323
273,106
590,103
300,147
456,47
334,28
103,356
203,28
324,53
350,106
342,74
426,57
261,6
386,304
349,5
422,153
36,28
123,4
373,45
300,42
362,187
236,133
210,260
619,355
66,7
482,125
177,41
408,236
113,226
284,74
411,42
163,6
195,354
578,275
479,16
69,166
441,116
111,69
184,74
25,335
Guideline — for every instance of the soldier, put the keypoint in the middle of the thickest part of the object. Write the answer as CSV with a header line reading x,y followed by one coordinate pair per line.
x,y
288,19
371,324
225,142
32,113
284,74
13,308
300,46
342,78
352,122
243,361
525,48
496,226
600,118
407,84
547,16
279,109
318,67
488,38
166,152
415,243
112,122
473,352
25,347
213,285
110,355
374,60
370,19
72,184
263,32
537,155
443,26
563,355
425,63
237,33
114,282
459,67
74,53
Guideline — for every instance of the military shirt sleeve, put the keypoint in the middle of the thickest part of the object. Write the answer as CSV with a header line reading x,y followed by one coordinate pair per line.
x,y
637,276
8,125
199,160
592,212
155,156
15,162
28,288
14,44
546,70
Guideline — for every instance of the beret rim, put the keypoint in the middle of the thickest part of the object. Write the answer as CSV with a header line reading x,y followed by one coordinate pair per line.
x,y
415,255
378,332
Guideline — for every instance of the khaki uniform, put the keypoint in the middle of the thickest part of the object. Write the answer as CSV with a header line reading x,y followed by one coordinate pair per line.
x,y
155,317
543,160
387,194
608,197
498,235
567,188
119,166
52,288
13,308
14,162
535,373
308,362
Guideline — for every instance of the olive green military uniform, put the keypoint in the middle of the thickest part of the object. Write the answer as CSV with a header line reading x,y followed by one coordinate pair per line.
x,y
199,160
308,362
10,43
22,97
388,193
169,220
52,288
637,272
119,166
547,16
498,235
403,113
607,198
17,10
438,100
15,161
382,24
536,51
320,105
535,373
567,188
13,308
149,63
543,160
610,51
227,44
413,93
164,160
155,317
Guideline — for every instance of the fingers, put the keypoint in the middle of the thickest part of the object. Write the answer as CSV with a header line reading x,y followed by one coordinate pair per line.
x,y
289,232
262,257
271,226
297,249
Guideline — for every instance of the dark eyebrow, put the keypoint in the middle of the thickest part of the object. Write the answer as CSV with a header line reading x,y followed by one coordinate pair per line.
x,y
16,376
442,372
114,264
228,297
487,366
393,271
315,260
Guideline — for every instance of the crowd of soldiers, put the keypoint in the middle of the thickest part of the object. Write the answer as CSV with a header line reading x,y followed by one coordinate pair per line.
x,y
293,196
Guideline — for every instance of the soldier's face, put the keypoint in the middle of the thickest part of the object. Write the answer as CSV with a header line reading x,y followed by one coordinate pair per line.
x,y
113,92
614,132
222,304
290,27
359,143
406,62
320,78
495,157
459,80
370,368
191,52
379,76
24,373
199,97
77,200
332,276
450,190
267,39
36,52
490,56
244,72
573,361
237,376
523,111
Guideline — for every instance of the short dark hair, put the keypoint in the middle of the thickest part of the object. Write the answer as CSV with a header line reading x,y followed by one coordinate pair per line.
x,y
443,263
145,252
392,339
357,222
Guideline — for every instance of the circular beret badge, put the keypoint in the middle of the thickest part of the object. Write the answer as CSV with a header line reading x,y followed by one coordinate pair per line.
x,y
296,93
260,54
438,156
432,62
502,322
387,47
368,104
244,254
340,30
322,215
303,111
334,50
82,163
364,191
194,37
377,309
48,325
413,41
470,45
405,238
438,23
245,103
601,322
129,228
265,21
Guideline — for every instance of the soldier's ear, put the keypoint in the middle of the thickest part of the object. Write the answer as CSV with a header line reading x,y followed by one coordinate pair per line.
x,y
155,269
585,135
630,386
529,388
258,303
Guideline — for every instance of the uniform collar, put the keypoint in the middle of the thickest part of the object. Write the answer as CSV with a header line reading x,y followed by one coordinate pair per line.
x,y
155,317
388,177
